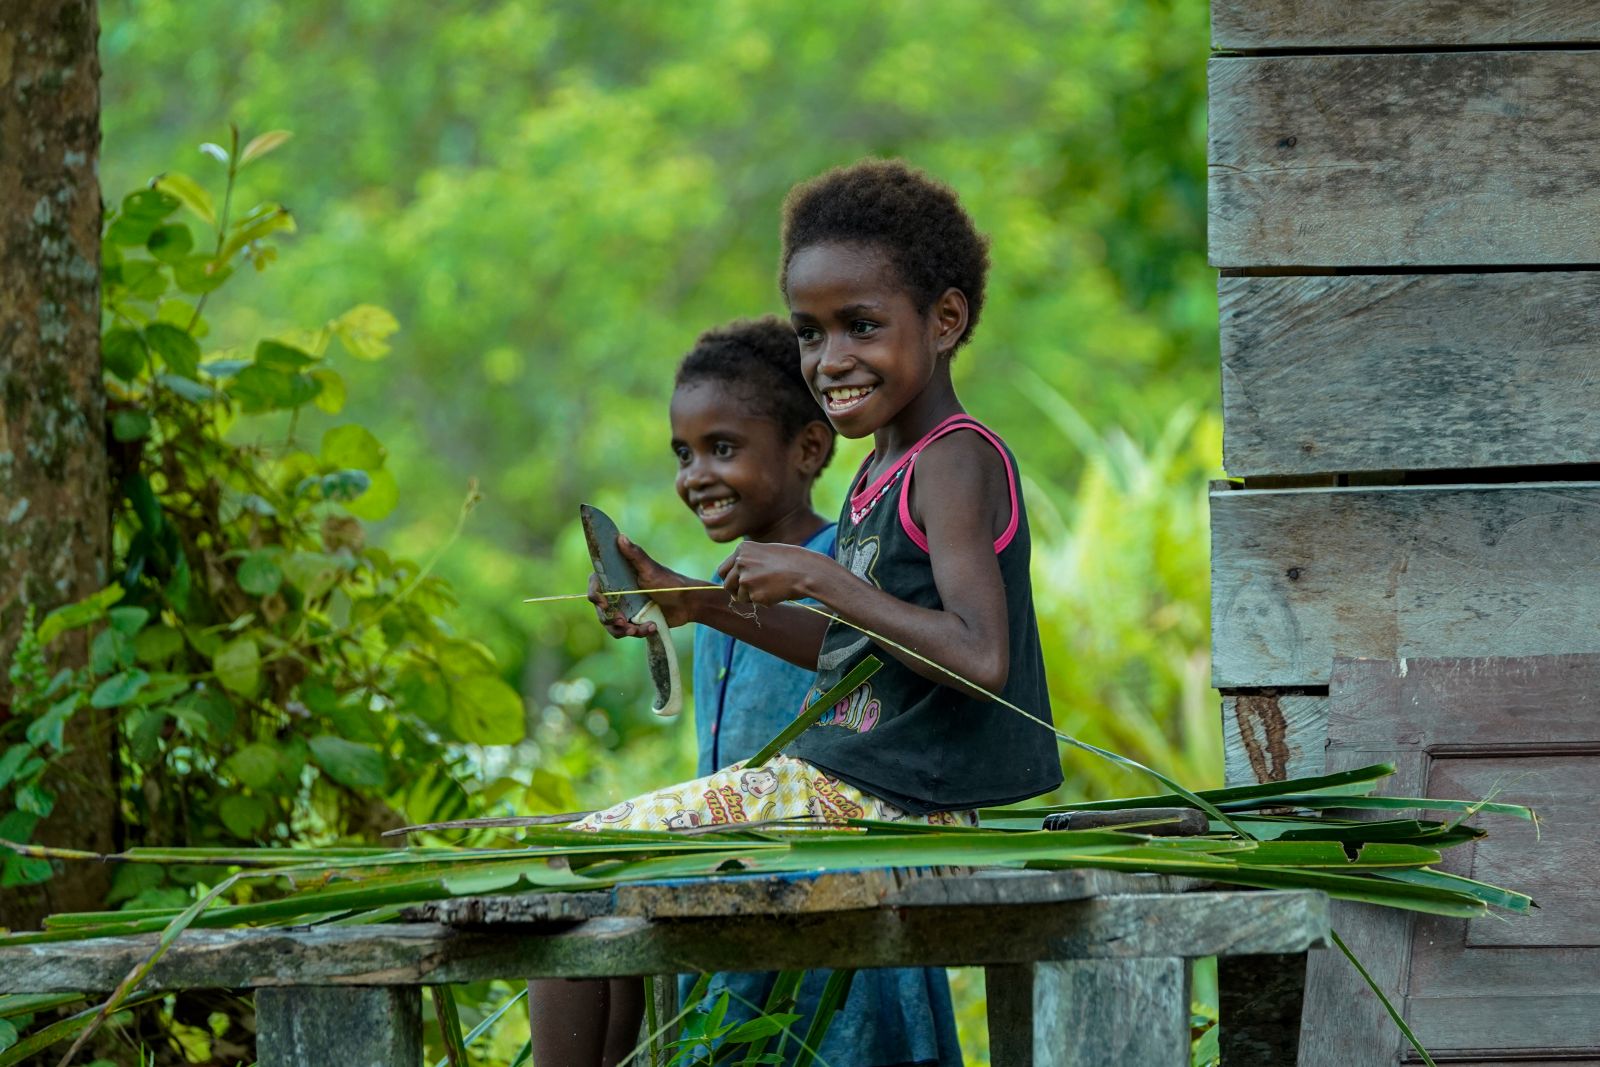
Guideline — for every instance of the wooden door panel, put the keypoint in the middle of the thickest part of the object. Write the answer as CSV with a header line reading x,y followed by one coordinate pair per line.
x,y
1559,866
1505,990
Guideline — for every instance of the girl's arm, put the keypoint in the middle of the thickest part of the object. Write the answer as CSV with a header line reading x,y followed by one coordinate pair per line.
x,y
788,632
961,499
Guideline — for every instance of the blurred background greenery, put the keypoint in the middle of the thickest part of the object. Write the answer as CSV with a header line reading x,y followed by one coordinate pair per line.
x,y
554,198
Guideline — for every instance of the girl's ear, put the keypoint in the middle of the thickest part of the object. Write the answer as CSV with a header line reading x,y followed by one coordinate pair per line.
x,y
949,319
811,446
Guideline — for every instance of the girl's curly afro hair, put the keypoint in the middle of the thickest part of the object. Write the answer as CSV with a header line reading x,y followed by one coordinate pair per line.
x,y
917,221
760,359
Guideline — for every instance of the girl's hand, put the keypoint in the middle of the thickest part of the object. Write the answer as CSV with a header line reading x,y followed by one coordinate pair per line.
x,y
652,575
761,573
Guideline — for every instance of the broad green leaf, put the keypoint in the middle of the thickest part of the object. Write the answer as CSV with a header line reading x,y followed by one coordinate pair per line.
x,y
157,644
82,613
12,761
35,799
128,621
170,243
348,762
264,221
192,391
259,389
130,231
128,880
130,424
310,572
214,705
200,274
255,765
364,331
380,498
123,353
352,446
244,816
485,710
110,651
144,278
332,397
149,204
260,146
275,355
190,194
344,485
119,689
259,574
179,351
238,666
48,729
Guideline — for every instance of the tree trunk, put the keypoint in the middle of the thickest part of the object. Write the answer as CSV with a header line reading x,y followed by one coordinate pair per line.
x,y
54,504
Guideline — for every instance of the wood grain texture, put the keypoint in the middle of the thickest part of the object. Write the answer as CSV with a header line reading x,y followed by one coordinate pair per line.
x,y
348,1027
1409,372
1401,160
1131,926
1111,1013
1523,988
1245,25
1259,1002
1271,737
1302,576
1008,1002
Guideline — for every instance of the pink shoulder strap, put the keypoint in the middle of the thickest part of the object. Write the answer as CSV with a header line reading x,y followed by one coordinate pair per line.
x,y
949,426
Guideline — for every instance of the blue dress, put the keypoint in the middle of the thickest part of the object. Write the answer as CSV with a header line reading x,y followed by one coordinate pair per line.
x,y
743,697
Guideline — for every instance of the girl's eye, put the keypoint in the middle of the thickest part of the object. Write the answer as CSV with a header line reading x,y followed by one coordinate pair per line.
x,y
682,454
861,327
722,449
808,335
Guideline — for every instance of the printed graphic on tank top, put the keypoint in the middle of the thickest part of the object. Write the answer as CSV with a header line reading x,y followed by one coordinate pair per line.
x,y
921,745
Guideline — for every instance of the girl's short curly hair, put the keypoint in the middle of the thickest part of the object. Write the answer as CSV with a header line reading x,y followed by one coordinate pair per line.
x,y
761,359
917,221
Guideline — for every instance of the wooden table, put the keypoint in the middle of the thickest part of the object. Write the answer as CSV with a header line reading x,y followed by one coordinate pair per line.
x,y
1084,967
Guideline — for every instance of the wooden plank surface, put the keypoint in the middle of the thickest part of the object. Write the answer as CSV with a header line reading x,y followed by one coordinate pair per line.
x,y
1268,737
1111,1013
1409,372
1245,25
350,1027
1300,576
1397,160
1131,926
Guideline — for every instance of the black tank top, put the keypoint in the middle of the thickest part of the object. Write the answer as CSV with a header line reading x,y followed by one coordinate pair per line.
x,y
918,744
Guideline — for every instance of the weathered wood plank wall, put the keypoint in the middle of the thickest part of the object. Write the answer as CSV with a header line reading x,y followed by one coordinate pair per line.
x,y
1405,160
1409,372
1261,25
1405,207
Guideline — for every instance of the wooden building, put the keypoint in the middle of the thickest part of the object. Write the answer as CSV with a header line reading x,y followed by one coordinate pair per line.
x,y
1405,210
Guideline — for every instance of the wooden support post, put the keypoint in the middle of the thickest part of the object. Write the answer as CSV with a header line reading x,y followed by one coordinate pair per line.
x,y
1090,1013
347,1026
664,993
1008,990
1260,999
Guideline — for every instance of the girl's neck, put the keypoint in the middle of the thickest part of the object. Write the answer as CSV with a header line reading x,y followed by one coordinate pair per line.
x,y
794,528
916,420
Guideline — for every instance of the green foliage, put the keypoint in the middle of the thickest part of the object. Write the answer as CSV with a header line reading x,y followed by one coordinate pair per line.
x,y
274,678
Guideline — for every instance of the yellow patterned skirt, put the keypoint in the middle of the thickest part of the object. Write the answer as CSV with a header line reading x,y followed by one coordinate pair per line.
x,y
783,788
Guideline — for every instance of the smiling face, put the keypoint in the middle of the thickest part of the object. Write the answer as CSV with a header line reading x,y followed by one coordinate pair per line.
x,y
735,470
870,356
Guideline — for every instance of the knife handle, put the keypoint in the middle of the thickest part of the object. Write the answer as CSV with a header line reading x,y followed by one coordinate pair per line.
x,y
663,662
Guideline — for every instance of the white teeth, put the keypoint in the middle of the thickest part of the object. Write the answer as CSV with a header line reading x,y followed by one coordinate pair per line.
x,y
712,509
847,396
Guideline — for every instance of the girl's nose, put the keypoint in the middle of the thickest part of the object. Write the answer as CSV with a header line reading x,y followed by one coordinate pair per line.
x,y
696,475
837,359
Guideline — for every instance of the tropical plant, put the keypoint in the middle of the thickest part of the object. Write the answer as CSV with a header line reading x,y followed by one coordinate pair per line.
x,y
273,678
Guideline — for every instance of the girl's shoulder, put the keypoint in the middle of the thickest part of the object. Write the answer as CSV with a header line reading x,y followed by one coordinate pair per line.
x,y
966,472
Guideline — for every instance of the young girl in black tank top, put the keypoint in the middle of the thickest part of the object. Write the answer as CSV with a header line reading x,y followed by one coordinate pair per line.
x,y
884,276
